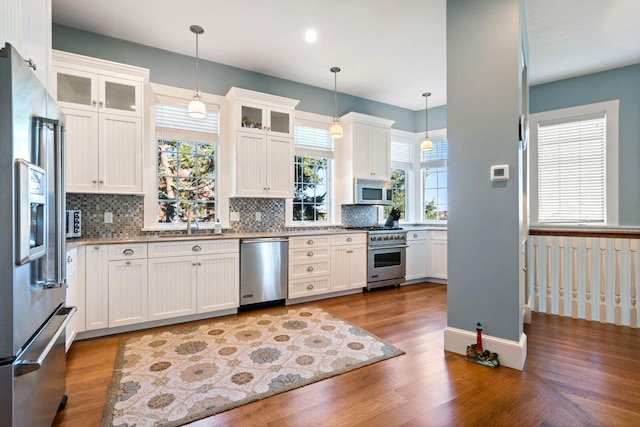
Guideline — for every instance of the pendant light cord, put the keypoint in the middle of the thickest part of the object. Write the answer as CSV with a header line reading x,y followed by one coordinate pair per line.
x,y
197,83
426,113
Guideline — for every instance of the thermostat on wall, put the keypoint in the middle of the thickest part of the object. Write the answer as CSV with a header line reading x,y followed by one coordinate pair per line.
x,y
500,173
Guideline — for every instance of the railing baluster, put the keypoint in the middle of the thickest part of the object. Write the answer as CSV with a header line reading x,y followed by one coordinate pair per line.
x,y
574,278
633,311
561,277
617,312
548,274
603,281
587,305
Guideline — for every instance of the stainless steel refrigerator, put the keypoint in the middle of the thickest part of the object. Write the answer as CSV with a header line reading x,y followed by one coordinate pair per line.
x,y
33,315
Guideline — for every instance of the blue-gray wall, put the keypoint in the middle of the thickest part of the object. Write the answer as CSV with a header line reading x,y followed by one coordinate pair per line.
x,y
175,70
483,103
623,84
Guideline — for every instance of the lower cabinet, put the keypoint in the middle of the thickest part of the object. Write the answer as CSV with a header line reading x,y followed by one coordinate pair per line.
x,y
326,263
97,287
417,255
191,277
348,262
438,254
75,293
127,292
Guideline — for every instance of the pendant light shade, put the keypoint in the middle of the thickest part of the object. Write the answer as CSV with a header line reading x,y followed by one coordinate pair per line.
x,y
197,109
426,144
335,131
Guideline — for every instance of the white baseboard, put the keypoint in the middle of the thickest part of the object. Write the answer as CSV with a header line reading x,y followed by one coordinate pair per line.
x,y
511,354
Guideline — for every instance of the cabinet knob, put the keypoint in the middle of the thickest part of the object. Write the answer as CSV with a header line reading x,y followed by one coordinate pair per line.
x,y
128,262
101,181
199,263
193,263
349,239
30,64
309,287
95,181
310,268
415,235
100,104
309,253
96,247
93,103
309,242
127,252
69,259
196,248
349,252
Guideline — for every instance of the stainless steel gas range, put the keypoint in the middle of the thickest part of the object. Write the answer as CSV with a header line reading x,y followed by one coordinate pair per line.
x,y
386,256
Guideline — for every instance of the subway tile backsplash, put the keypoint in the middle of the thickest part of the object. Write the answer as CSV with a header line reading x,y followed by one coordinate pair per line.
x,y
128,215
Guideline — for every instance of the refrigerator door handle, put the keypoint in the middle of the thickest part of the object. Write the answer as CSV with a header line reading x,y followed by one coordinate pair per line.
x,y
60,185
26,366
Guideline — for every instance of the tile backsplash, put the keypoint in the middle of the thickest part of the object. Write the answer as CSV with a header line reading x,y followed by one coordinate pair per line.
x,y
128,215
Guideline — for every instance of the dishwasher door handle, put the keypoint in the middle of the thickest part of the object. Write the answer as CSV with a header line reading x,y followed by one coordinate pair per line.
x,y
265,240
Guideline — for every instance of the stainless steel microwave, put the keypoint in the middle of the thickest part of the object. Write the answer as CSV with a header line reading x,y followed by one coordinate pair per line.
x,y
372,192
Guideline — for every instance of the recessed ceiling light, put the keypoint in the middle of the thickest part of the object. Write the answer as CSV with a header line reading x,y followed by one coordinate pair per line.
x,y
311,36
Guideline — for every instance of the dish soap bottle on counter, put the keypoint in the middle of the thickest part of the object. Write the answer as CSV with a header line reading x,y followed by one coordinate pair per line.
x,y
217,227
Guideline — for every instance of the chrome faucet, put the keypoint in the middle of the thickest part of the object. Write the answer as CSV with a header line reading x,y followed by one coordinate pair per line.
x,y
194,208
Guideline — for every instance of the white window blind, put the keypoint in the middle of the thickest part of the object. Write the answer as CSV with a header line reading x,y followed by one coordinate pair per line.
x,y
401,155
313,141
172,122
571,169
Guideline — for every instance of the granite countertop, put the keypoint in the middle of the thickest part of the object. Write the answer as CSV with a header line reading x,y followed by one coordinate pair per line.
x,y
71,243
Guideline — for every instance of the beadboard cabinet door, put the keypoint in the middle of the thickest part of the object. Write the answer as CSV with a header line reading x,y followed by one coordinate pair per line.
x,y
97,287
348,267
172,287
127,292
218,282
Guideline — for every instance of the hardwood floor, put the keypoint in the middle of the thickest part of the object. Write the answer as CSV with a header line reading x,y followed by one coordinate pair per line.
x,y
577,373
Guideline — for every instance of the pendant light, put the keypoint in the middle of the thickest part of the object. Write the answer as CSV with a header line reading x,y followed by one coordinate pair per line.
x,y
335,131
197,109
426,144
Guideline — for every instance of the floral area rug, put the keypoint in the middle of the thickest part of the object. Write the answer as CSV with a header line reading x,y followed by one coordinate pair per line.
x,y
178,376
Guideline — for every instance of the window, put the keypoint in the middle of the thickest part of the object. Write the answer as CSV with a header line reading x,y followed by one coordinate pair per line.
x,y
312,176
186,165
434,181
401,165
574,160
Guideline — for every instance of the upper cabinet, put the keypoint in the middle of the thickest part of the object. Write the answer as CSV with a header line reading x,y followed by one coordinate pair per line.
x,y
26,24
103,107
365,149
261,133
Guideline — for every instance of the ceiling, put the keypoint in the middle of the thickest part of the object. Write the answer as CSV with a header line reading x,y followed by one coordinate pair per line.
x,y
389,51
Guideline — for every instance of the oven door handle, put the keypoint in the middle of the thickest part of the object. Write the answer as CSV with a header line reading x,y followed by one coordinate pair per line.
x,y
389,247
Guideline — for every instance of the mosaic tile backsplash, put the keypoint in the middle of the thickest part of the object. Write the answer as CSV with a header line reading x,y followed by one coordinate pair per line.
x,y
128,215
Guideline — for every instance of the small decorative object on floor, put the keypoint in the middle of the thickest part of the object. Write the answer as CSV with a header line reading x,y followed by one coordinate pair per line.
x,y
476,354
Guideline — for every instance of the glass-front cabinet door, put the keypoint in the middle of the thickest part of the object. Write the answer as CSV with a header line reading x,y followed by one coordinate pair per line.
x,y
263,119
87,91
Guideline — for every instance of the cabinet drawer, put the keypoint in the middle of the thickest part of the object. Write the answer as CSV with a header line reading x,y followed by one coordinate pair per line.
x,y
309,241
127,251
438,235
310,254
72,258
349,239
417,235
299,270
302,288
193,247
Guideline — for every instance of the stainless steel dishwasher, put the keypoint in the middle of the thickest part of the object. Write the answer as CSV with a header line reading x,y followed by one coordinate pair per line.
x,y
263,270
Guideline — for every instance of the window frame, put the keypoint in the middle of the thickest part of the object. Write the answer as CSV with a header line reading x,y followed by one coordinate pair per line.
x,y
611,110
435,135
169,95
321,122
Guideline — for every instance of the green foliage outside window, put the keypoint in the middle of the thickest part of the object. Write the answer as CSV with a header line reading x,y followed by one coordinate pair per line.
x,y
186,175
399,195
311,189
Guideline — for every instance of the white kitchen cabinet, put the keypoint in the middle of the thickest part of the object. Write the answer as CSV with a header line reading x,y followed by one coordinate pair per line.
x,y
102,102
261,127
264,165
75,293
348,261
127,284
26,24
190,277
438,254
96,287
417,255
309,265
